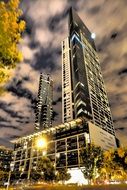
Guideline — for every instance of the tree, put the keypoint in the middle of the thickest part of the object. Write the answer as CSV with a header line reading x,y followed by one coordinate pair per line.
x,y
63,175
3,176
35,175
108,167
11,28
121,157
114,165
91,157
46,169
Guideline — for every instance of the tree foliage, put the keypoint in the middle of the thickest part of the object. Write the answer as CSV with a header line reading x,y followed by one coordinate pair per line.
x,y
63,175
121,157
114,165
46,169
92,157
3,176
104,165
109,166
11,28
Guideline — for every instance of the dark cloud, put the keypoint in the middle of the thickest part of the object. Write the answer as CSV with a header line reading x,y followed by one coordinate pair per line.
x,y
55,114
16,88
26,78
30,26
27,61
73,4
106,40
53,22
4,106
105,61
18,83
22,117
94,10
6,143
23,92
46,58
123,71
26,122
58,100
121,119
14,137
114,35
10,126
117,98
124,118
34,44
59,88
99,49
103,43
13,116
120,128
2,119
34,103
21,121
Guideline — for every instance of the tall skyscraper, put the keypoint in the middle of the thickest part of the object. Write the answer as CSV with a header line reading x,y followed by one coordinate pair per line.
x,y
83,90
44,103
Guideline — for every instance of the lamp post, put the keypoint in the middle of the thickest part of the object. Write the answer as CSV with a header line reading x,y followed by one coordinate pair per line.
x,y
30,163
9,176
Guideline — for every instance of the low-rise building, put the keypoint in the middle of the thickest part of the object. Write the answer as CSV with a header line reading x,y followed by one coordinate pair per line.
x,y
61,143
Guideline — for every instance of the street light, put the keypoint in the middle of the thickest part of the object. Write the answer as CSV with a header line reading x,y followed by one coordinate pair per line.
x,y
8,183
41,143
9,176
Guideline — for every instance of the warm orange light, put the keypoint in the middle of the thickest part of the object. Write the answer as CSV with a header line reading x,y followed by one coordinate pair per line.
x,y
41,143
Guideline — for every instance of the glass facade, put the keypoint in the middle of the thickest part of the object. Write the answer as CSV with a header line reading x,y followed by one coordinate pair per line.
x,y
64,143
5,159
84,93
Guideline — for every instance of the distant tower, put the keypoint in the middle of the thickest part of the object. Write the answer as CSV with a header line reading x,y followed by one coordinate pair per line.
x,y
83,90
44,103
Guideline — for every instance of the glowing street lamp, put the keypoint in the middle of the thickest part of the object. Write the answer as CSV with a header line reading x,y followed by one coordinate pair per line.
x,y
41,143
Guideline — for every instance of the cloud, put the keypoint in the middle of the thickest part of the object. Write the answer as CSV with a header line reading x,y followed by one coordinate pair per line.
x,y
46,59
114,35
122,72
10,126
6,143
58,100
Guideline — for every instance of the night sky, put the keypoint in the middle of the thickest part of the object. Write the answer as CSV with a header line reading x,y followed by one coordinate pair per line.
x,y
46,27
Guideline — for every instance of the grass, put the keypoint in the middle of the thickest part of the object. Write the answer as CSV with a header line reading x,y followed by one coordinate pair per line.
x,y
70,187
74,187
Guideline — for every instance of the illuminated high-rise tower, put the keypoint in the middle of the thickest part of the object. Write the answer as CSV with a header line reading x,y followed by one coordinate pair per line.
x,y
44,103
83,90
